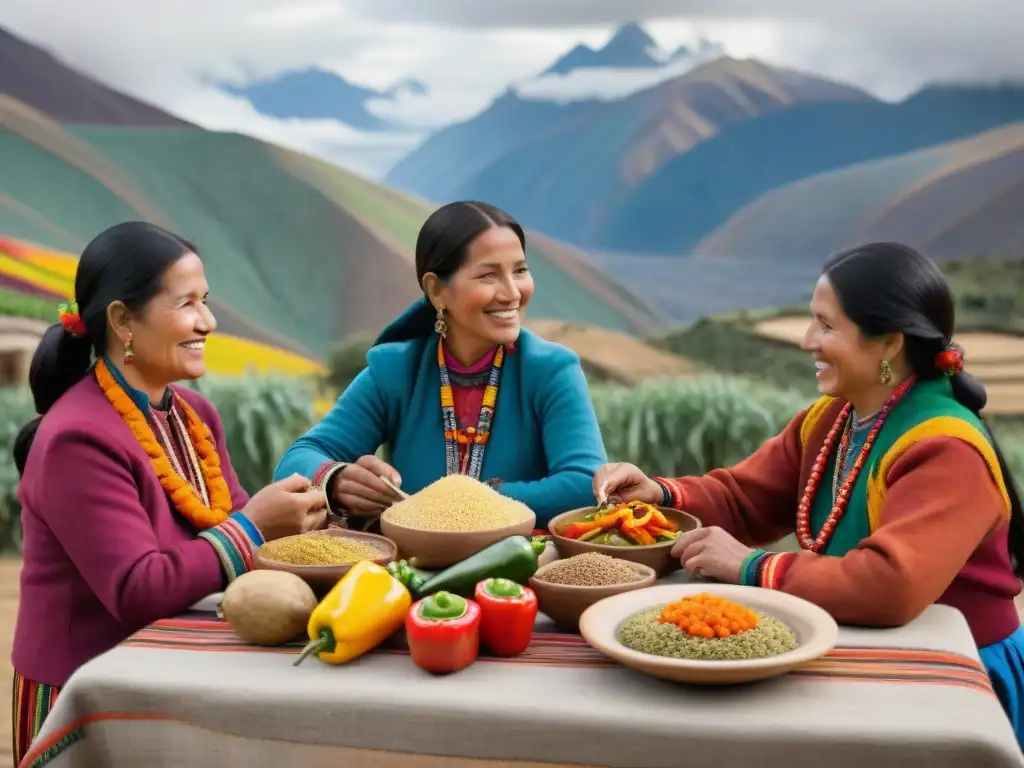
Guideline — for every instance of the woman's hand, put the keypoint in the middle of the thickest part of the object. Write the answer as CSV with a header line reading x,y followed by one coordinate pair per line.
x,y
628,483
358,489
711,552
287,507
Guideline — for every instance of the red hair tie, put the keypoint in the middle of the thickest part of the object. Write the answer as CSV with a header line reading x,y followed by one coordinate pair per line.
x,y
950,360
71,320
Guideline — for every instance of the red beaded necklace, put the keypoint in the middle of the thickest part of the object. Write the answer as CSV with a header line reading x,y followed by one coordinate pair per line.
x,y
803,512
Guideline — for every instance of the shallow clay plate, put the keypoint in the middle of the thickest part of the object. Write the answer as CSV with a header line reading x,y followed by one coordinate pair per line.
x,y
816,632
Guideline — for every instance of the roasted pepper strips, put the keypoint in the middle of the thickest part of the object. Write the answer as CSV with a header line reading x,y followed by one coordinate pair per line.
x,y
364,608
512,558
508,612
590,528
443,631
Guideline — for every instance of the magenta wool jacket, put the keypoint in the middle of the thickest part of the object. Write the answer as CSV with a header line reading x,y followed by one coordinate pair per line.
x,y
105,553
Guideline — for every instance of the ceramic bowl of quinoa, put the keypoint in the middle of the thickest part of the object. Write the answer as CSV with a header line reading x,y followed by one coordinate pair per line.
x,y
565,588
709,634
321,558
451,519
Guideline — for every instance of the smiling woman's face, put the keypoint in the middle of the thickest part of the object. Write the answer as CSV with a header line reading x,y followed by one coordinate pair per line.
x,y
847,364
169,338
486,299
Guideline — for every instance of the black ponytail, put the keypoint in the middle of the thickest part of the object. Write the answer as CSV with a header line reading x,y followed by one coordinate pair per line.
x,y
891,288
124,263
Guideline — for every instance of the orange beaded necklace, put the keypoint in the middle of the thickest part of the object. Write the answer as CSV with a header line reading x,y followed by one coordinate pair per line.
x,y
842,497
185,498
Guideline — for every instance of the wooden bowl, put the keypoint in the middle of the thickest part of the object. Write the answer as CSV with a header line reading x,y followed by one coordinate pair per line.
x,y
816,631
657,556
565,603
439,549
322,578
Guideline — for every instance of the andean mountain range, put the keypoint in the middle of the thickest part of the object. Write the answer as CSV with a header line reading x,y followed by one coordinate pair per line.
x,y
719,188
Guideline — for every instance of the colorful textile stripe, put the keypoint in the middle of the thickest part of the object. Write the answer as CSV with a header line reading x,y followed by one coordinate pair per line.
x,y
234,541
750,569
197,631
322,477
673,490
773,568
32,704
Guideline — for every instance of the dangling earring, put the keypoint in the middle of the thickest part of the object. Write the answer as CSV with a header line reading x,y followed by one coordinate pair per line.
x,y
129,356
440,326
885,373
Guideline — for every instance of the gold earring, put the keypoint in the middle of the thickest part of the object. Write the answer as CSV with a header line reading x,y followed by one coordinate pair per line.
x,y
440,326
129,356
885,373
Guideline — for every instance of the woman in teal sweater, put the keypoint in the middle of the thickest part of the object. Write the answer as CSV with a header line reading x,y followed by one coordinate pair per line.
x,y
456,385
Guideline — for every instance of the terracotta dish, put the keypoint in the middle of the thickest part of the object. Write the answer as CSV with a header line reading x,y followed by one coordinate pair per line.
x,y
565,603
322,578
816,631
439,549
657,556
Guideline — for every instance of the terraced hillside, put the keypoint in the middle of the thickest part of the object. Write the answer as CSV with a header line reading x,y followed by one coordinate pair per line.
x,y
567,165
698,190
997,359
955,200
299,253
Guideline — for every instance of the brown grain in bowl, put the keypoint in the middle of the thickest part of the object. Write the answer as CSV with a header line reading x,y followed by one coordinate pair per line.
x,y
589,569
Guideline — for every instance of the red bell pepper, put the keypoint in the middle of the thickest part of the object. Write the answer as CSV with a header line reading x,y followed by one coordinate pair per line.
x,y
443,631
508,612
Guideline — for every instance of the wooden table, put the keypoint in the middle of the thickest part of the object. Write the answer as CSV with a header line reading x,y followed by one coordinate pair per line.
x,y
188,691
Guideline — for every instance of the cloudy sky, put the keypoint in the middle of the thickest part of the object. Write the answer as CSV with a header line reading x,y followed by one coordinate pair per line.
x,y
468,51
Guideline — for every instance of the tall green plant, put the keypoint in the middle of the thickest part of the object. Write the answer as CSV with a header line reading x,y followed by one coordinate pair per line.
x,y
262,416
16,408
690,426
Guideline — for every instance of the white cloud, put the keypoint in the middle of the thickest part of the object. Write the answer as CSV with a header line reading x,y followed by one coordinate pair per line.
x,y
605,84
369,154
468,51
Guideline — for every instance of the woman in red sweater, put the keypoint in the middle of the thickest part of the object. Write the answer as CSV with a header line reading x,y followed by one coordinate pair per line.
x,y
131,511
892,481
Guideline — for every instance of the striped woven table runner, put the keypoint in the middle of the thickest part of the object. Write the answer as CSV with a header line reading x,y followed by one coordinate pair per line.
x,y
205,632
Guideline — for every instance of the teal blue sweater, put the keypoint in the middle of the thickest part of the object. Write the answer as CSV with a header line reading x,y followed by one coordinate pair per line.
x,y
545,442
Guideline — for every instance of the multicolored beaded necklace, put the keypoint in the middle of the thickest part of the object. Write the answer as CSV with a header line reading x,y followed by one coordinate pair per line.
x,y
473,462
842,496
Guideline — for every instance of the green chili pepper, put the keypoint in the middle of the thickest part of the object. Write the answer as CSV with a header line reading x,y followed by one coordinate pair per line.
x,y
409,576
513,558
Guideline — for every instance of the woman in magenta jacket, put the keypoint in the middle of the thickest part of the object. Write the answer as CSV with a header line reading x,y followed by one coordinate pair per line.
x,y
131,511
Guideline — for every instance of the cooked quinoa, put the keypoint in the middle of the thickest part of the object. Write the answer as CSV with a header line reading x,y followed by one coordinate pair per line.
x,y
457,503
643,632
589,569
319,550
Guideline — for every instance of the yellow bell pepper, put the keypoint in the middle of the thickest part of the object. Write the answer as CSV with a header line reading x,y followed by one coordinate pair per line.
x,y
364,609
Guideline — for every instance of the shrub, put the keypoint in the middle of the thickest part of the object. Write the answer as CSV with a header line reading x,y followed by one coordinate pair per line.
x,y
667,426
690,426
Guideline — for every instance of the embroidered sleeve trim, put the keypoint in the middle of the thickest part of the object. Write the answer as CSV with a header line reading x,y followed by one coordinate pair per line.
x,y
234,541
773,569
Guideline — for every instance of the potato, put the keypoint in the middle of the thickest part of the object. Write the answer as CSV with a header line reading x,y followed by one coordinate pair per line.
x,y
267,607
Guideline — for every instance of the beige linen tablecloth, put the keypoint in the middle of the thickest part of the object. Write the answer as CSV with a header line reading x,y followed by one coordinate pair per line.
x,y
188,692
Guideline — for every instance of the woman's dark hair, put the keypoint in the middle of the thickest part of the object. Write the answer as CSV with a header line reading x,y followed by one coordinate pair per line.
x,y
124,263
446,235
891,288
